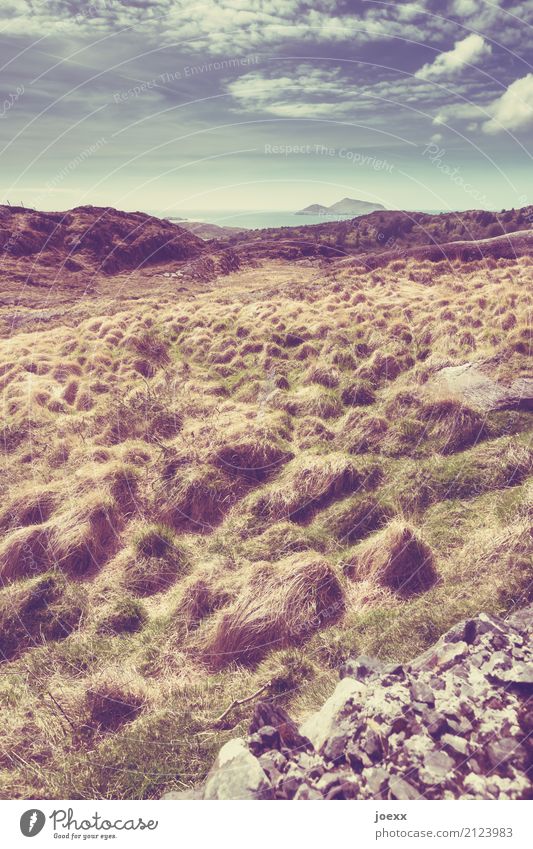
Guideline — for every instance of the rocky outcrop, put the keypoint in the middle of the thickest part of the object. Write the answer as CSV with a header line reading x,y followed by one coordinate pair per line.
x,y
476,385
455,723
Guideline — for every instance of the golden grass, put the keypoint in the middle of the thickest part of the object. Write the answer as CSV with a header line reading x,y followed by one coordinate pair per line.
x,y
396,558
248,483
281,605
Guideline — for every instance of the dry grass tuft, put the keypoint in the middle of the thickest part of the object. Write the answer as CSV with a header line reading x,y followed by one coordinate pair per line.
x,y
112,703
197,498
324,375
157,561
353,519
358,394
452,425
254,453
311,483
38,610
398,559
126,616
283,604
200,599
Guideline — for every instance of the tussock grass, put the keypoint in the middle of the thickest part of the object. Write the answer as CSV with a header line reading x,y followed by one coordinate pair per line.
x,y
187,473
112,702
397,559
40,609
312,483
282,605
157,561
197,498
254,454
354,518
127,615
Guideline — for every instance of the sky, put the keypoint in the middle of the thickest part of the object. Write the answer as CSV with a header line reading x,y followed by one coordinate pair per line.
x,y
163,105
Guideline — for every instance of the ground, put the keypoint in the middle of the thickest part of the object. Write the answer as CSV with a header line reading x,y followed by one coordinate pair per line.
x,y
214,486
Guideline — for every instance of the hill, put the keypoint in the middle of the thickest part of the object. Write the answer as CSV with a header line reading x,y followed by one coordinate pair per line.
x,y
94,239
385,231
346,206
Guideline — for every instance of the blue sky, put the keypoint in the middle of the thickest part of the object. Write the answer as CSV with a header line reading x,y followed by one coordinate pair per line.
x,y
245,104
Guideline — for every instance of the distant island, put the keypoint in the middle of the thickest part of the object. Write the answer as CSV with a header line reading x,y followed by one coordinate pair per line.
x,y
346,206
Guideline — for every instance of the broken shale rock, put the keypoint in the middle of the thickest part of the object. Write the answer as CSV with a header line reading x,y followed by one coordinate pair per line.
x,y
453,724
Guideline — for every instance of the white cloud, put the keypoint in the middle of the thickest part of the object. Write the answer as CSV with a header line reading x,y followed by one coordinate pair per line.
x,y
466,52
465,8
514,109
308,93
454,112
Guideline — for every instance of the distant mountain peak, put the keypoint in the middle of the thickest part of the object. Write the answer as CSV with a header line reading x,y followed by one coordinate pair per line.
x,y
346,206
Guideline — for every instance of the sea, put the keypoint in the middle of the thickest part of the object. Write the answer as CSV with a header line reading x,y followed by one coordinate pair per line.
x,y
252,219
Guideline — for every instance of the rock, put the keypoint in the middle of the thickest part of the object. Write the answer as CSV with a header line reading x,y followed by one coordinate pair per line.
x,y
522,619
518,673
421,692
333,749
525,717
402,789
502,752
184,795
237,774
320,725
263,740
361,668
401,733
327,781
346,790
273,763
459,724
273,717
307,793
290,786
476,385
373,746
456,744
450,655
477,785
376,779
437,767
497,663
435,723
442,655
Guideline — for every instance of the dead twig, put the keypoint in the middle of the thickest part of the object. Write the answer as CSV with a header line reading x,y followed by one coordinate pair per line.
x,y
60,709
237,702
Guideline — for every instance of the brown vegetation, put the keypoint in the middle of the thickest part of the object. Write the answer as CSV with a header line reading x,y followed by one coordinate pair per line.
x,y
241,480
